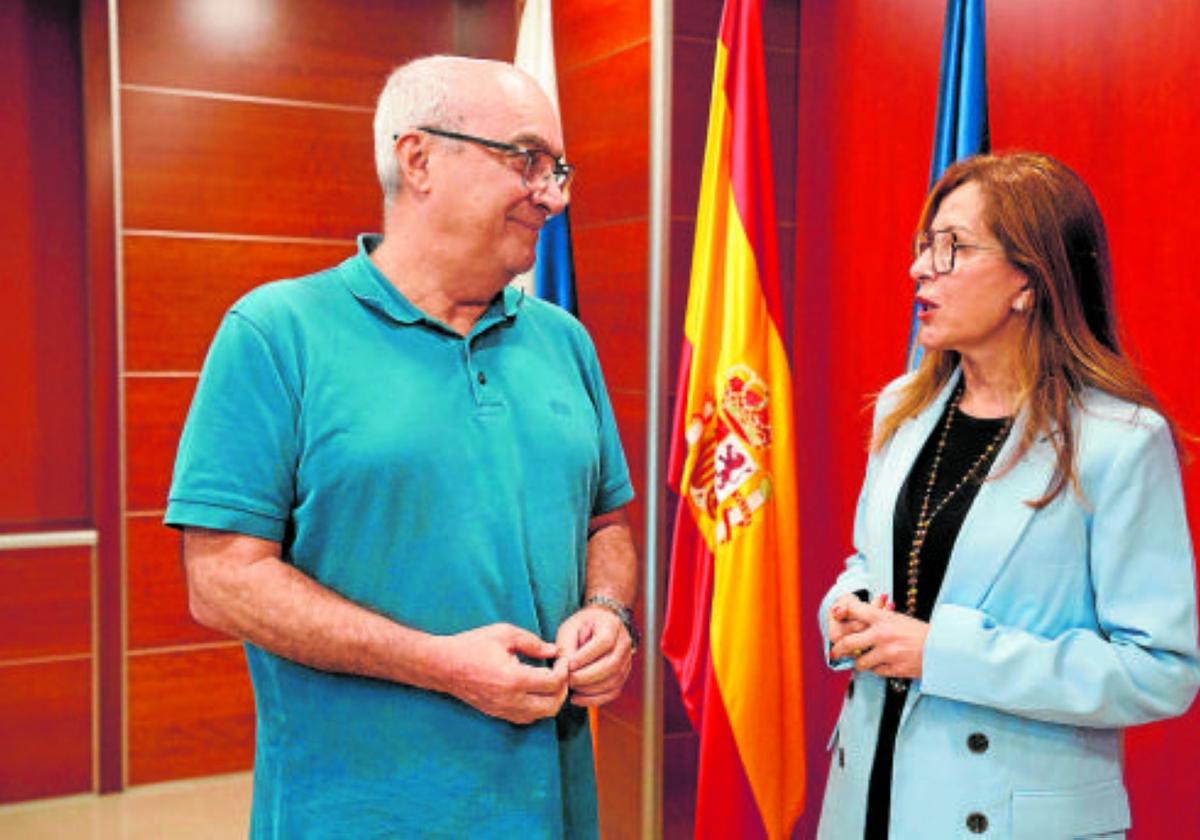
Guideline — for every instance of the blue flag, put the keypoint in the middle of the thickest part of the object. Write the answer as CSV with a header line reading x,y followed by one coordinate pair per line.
x,y
553,275
554,271
962,114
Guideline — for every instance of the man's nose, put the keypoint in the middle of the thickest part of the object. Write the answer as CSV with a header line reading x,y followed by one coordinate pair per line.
x,y
553,198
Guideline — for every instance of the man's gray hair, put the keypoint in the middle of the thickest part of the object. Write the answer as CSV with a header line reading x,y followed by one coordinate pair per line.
x,y
417,93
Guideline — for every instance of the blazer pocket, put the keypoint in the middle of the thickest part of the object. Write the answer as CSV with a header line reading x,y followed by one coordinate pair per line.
x,y
1070,812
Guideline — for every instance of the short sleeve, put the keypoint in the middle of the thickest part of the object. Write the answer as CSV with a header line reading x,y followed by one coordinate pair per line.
x,y
615,488
235,469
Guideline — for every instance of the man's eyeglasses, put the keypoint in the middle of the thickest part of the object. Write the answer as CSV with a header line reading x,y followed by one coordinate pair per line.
x,y
540,167
944,245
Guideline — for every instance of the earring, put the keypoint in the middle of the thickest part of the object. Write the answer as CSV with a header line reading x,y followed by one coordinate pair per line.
x,y
1019,306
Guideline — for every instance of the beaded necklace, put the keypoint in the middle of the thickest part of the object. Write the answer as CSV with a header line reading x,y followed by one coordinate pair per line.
x,y
926,516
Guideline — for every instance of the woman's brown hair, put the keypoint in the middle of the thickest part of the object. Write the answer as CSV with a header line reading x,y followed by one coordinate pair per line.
x,y
1050,227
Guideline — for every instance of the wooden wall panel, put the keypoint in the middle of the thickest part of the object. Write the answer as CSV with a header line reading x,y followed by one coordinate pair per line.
x,y
587,32
157,606
44,427
177,289
45,602
606,127
320,50
610,266
155,409
618,790
191,713
45,729
210,165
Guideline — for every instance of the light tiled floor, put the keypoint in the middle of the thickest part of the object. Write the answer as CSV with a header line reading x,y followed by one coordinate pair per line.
x,y
215,808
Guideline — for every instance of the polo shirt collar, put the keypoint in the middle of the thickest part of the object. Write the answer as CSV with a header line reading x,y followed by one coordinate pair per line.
x,y
367,283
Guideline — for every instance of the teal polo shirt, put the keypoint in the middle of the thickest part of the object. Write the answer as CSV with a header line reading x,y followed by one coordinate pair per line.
x,y
441,480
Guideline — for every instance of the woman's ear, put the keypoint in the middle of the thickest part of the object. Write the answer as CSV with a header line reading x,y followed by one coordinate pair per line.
x,y
1023,301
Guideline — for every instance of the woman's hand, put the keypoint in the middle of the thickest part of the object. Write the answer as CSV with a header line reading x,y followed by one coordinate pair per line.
x,y
882,641
839,624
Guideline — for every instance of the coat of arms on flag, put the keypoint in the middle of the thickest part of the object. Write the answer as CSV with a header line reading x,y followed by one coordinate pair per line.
x,y
729,483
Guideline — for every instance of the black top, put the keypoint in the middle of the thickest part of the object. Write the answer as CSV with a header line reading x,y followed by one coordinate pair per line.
x,y
966,441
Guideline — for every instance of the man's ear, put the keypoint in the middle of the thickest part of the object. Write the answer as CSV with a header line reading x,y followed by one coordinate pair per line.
x,y
412,161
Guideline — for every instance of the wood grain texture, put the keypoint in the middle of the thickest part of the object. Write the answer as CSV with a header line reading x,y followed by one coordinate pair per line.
x,y
157,603
588,30
606,127
205,165
618,777
337,51
45,602
45,729
610,271
177,290
191,713
155,409
43,328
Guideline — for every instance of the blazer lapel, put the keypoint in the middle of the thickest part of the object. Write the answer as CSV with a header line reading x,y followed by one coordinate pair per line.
x,y
997,519
903,449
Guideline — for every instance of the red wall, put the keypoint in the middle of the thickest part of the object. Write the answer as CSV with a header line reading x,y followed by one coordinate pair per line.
x,y
47,712
1108,88
44,469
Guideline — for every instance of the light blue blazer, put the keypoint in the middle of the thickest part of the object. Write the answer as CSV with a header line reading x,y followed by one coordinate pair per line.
x,y
1054,629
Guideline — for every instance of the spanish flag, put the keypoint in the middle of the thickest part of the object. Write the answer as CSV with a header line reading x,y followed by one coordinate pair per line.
x,y
732,630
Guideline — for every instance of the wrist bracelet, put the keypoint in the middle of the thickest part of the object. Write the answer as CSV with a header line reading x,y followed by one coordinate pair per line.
x,y
620,611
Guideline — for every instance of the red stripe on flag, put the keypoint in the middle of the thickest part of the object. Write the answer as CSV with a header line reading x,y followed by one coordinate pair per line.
x,y
725,806
689,598
750,169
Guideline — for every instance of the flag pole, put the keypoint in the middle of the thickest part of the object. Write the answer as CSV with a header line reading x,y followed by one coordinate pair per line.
x,y
659,267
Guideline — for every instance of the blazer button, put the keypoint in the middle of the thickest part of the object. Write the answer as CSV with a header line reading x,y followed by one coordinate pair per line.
x,y
977,742
850,689
977,823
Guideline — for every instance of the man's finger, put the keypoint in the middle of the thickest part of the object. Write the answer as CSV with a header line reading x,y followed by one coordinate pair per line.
x,y
530,644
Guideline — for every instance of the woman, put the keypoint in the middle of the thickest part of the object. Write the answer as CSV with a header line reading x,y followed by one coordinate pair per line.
x,y
1023,581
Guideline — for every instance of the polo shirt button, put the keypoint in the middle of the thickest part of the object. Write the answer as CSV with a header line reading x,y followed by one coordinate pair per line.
x,y
977,742
481,377
841,757
977,823
850,689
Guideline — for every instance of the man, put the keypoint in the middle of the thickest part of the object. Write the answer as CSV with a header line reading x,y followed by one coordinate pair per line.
x,y
401,484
